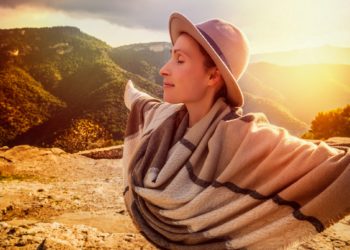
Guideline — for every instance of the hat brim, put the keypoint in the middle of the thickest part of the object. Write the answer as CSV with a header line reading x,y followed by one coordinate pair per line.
x,y
179,24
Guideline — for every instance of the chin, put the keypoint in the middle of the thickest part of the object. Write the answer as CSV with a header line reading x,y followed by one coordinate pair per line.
x,y
169,99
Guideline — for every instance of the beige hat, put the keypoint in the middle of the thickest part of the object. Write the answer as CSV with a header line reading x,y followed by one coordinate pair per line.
x,y
224,43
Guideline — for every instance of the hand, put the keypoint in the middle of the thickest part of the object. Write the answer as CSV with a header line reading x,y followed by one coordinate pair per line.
x,y
130,84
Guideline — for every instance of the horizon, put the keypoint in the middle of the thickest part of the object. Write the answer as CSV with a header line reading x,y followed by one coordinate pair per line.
x,y
149,42
289,25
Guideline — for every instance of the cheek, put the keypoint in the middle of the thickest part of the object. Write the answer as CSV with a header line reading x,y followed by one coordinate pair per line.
x,y
191,84
194,87
193,74
198,79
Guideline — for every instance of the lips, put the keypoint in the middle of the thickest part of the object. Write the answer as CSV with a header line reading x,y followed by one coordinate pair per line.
x,y
168,85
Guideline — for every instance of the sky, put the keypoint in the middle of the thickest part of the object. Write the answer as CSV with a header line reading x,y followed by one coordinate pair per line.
x,y
270,25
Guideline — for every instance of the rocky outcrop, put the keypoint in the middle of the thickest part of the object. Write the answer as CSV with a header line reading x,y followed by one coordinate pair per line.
x,y
114,152
50,199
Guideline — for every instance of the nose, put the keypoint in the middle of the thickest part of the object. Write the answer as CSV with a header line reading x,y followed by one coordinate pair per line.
x,y
164,71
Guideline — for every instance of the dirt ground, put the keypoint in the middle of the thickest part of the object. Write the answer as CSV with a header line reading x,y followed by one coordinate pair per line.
x,y
50,199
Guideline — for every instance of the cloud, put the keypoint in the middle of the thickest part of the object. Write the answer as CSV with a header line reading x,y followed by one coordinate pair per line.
x,y
268,24
147,14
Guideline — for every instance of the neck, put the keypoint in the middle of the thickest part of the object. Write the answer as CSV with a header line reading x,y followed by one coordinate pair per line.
x,y
198,110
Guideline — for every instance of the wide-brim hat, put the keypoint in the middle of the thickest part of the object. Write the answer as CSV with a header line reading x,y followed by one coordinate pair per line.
x,y
225,44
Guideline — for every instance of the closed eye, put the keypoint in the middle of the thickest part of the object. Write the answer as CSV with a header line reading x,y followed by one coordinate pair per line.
x,y
179,60
177,54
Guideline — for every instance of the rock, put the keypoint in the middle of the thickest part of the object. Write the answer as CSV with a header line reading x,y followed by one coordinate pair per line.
x,y
4,148
6,169
335,141
114,152
56,200
344,141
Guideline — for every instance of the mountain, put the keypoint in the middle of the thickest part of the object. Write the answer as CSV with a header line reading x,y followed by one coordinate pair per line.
x,y
23,103
289,92
153,55
276,113
62,88
59,87
144,59
304,90
320,55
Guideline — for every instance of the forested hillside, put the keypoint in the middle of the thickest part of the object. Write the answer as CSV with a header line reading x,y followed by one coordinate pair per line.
x,y
144,59
59,87
23,103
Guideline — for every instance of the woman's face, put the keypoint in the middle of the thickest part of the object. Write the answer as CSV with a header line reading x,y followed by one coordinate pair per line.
x,y
185,76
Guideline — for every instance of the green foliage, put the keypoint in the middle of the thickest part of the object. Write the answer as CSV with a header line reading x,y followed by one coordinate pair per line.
x,y
47,74
143,59
23,103
83,134
333,123
59,87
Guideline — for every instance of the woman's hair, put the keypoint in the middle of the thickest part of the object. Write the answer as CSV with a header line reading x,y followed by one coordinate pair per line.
x,y
209,63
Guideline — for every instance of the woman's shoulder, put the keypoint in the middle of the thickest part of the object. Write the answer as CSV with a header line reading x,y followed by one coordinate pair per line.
x,y
237,116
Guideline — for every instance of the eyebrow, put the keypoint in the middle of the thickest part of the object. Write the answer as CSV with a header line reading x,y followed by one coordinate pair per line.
x,y
176,51
172,50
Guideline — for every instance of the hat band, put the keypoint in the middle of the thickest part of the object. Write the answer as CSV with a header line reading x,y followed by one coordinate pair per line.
x,y
214,46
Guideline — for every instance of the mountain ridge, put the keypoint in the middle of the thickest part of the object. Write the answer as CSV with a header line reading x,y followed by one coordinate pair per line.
x,y
76,69
84,78
326,54
265,79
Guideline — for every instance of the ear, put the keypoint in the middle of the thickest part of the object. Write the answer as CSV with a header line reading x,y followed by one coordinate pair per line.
x,y
214,77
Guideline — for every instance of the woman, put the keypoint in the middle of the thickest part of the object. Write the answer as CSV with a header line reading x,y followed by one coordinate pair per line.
x,y
201,176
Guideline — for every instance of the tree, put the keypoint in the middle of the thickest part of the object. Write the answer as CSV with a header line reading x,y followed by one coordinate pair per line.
x,y
333,123
83,134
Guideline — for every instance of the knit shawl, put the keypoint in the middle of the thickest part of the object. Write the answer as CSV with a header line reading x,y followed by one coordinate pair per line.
x,y
228,182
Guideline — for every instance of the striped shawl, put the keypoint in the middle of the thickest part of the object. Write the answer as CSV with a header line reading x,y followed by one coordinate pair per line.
x,y
229,182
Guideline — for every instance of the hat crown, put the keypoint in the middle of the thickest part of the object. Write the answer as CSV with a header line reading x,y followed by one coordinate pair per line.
x,y
229,43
